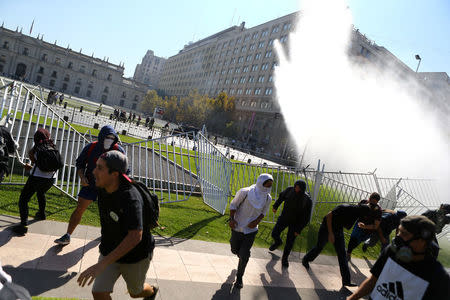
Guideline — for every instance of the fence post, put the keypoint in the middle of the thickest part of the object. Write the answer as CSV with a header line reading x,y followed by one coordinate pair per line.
x,y
317,183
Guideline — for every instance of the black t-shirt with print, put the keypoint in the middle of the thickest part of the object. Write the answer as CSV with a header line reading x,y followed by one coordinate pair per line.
x,y
429,270
345,215
120,212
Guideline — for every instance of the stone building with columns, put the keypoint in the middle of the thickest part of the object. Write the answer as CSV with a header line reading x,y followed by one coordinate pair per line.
x,y
64,70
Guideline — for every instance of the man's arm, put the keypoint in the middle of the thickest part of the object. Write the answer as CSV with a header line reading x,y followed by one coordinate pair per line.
x,y
280,200
330,227
128,243
255,222
364,289
380,234
370,227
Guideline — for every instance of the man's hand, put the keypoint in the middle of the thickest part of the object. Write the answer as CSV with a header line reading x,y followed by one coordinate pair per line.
x,y
331,238
252,224
84,181
90,273
232,224
361,225
27,167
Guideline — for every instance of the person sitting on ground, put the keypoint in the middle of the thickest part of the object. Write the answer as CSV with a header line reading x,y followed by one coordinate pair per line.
x,y
247,209
406,269
332,230
85,163
295,216
390,220
366,225
126,244
38,182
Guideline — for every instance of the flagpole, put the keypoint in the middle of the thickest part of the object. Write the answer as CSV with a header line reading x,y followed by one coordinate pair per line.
x,y
31,28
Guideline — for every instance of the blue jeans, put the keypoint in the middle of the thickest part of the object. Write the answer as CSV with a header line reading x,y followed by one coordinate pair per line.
x,y
357,237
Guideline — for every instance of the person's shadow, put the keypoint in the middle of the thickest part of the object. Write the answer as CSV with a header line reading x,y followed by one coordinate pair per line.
x,y
227,289
40,281
287,290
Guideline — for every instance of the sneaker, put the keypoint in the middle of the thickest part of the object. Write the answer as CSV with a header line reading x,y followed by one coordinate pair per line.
x,y
349,284
20,229
238,283
64,240
305,263
274,246
364,247
155,291
39,216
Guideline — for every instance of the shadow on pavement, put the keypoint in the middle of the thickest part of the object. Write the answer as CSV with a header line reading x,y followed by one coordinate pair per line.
x,y
227,290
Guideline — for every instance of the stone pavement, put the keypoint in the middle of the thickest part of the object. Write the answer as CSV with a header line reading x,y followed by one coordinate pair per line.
x,y
184,269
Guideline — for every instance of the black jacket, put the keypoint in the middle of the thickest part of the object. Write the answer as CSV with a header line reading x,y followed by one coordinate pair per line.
x,y
297,208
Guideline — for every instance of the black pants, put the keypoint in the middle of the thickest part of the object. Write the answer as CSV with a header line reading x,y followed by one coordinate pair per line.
x,y
240,245
290,238
34,184
339,246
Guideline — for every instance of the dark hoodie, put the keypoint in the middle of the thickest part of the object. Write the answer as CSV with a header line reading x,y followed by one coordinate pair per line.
x,y
88,163
297,207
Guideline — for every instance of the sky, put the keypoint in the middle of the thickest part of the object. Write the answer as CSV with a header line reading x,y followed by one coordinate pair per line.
x,y
125,30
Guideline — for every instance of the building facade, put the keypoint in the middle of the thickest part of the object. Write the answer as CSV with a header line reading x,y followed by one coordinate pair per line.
x,y
149,70
61,69
241,62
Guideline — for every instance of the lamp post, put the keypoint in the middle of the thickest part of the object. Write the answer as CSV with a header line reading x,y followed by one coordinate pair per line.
x,y
419,59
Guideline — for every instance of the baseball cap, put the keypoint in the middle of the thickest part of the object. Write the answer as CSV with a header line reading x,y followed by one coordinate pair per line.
x,y
116,161
419,226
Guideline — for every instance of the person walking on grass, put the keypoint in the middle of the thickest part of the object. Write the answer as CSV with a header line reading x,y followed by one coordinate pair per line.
x,y
332,230
295,216
247,209
126,244
85,163
40,180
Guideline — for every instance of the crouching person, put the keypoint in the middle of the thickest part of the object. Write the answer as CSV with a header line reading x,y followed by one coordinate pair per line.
x,y
126,245
247,209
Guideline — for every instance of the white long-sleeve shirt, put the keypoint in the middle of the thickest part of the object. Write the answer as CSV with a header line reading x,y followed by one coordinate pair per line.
x,y
245,212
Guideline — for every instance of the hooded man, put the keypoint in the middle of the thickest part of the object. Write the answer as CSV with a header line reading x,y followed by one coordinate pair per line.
x,y
86,161
295,215
247,209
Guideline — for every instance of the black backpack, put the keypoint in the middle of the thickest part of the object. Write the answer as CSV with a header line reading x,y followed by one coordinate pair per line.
x,y
151,204
48,159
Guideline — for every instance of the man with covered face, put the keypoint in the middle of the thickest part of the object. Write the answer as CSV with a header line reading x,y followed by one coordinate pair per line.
x,y
247,209
440,218
406,269
86,162
295,216
332,230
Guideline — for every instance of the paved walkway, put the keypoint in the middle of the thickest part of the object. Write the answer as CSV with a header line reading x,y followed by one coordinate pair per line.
x,y
184,269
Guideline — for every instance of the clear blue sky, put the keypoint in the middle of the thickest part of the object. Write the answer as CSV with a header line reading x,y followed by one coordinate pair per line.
x,y
124,30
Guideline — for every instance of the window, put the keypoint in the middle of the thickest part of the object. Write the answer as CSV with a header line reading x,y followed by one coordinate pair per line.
x,y
236,50
64,86
106,90
94,73
265,32
261,44
230,70
77,89
245,69
227,81
239,91
238,40
231,91
255,35
88,93
270,78
251,79
1,68
82,69
41,70
249,58
70,65
237,71
57,60
286,26
274,64
261,79
254,68
264,67
121,102
241,59
257,91
67,78
242,80
5,45
268,54
248,91
104,97
253,104
252,47
91,85
44,57
124,95
136,98
38,79
223,72
257,56
225,45
54,74
244,48
283,39
268,91
270,43
235,80
233,60
25,51
275,29
247,37
52,82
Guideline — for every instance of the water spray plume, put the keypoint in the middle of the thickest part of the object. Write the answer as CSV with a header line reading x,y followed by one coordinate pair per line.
x,y
355,116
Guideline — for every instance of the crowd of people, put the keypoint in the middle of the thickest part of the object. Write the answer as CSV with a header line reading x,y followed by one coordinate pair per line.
x,y
131,117
407,267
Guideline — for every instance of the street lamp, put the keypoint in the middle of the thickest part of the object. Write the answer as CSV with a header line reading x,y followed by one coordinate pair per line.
x,y
419,59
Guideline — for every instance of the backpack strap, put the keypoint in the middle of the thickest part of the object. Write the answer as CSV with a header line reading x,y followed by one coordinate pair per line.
x,y
91,148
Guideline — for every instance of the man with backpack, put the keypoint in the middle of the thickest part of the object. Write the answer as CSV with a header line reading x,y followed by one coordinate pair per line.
x,y
295,215
7,146
126,246
107,140
47,161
